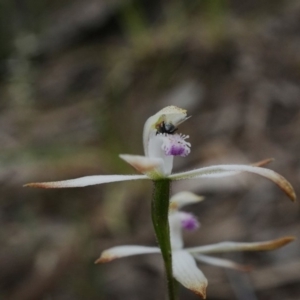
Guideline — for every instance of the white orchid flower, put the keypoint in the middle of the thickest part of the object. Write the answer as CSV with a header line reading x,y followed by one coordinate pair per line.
x,y
161,144
185,269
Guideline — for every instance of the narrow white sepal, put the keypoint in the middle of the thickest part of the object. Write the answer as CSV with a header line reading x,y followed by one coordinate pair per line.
x,y
85,181
226,170
222,170
187,273
221,262
123,251
238,246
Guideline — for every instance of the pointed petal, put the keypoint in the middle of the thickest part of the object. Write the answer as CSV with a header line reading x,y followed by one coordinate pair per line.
x,y
84,181
123,251
184,198
153,167
221,262
236,246
188,274
226,170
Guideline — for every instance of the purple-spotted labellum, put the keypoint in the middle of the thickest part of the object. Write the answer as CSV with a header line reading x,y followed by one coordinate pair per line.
x,y
188,221
175,145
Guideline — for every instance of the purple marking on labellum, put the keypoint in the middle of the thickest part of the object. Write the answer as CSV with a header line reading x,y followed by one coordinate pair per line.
x,y
175,145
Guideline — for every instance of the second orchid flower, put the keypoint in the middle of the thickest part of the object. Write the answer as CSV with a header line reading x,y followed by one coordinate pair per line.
x,y
184,260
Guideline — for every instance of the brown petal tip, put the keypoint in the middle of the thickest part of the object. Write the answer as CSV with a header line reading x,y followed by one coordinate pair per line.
x,y
278,243
263,162
105,258
287,188
201,291
41,185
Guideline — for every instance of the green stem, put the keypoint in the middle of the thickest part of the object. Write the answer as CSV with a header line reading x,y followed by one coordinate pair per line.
x,y
160,211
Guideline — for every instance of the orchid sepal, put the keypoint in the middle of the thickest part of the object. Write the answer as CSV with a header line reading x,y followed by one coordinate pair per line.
x,y
84,181
124,251
221,262
228,170
240,246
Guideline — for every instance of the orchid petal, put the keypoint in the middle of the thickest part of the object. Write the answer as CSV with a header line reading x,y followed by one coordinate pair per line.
x,y
151,166
187,273
169,115
221,262
225,170
84,181
236,246
123,251
184,198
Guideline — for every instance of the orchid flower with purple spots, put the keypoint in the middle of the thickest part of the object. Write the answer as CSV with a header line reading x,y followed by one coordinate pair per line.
x,y
161,144
185,260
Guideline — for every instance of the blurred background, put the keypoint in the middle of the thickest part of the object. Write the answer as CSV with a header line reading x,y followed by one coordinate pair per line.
x,y
79,78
